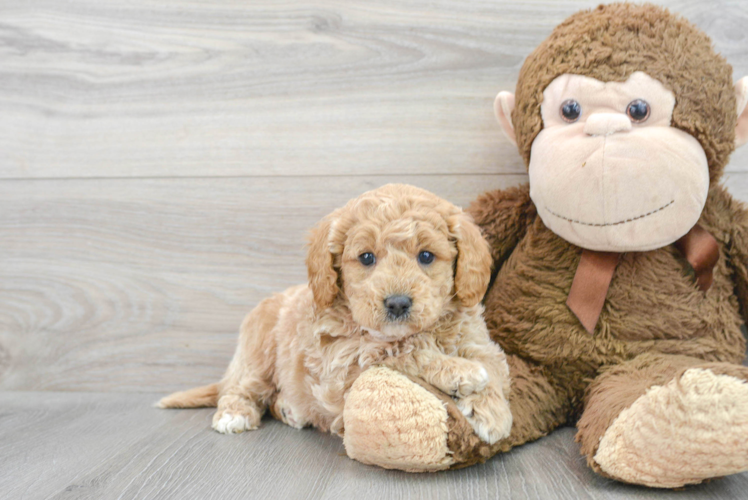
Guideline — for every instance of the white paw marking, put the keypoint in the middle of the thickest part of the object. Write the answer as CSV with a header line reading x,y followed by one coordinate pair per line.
x,y
290,418
233,424
482,381
490,427
471,383
466,407
488,434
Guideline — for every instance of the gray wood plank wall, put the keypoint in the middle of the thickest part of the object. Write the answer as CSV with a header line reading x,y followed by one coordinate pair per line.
x,y
161,162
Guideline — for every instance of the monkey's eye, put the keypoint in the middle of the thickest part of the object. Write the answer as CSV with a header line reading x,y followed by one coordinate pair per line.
x,y
426,257
638,111
367,259
570,110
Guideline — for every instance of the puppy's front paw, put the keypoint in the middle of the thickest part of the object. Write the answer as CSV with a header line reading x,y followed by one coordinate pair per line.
x,y
228,423
488,414
236,414
470,381
288,415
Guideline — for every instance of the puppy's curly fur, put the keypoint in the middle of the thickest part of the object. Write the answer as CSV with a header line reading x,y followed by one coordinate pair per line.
x,y
301,350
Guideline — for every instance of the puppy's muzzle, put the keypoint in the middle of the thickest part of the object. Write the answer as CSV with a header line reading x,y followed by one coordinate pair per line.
x,y
398,306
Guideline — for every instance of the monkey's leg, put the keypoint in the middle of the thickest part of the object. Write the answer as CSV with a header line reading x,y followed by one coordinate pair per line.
x,y
398,422
666,421
537,405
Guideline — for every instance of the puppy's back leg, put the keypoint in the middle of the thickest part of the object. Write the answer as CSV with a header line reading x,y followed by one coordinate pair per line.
x,y
247,385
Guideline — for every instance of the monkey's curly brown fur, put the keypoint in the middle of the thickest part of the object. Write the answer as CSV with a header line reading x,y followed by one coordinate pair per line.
x,y
656,323
620,39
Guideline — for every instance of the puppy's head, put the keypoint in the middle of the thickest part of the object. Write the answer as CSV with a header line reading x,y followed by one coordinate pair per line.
x,y
400,258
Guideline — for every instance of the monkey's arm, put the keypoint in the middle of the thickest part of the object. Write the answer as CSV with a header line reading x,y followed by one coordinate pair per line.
x,y
503,216
736,241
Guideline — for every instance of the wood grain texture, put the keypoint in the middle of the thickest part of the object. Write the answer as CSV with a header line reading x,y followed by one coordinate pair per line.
x,y
128,257
305,87
141,284
94,446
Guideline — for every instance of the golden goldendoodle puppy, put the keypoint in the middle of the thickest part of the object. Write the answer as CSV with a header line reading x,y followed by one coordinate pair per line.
x,y
396,277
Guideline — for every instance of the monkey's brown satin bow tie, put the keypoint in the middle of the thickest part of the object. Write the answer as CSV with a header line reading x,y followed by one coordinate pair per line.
x,y
595,271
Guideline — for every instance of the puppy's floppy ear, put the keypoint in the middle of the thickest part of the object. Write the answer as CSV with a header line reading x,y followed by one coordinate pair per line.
x,y
473,267
323,279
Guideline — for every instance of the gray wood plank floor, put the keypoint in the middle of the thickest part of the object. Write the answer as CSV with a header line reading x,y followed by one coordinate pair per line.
x,y
103,445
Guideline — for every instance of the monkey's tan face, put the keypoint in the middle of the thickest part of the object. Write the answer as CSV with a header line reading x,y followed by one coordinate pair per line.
x,y
608,172
398,276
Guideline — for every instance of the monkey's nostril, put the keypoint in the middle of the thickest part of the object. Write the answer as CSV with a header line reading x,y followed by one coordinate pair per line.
x,y
398,305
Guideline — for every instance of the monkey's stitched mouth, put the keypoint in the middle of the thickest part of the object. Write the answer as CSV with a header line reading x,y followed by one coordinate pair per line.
x,y
632,219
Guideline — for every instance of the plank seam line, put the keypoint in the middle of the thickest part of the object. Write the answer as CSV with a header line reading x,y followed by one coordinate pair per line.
x,y
163,177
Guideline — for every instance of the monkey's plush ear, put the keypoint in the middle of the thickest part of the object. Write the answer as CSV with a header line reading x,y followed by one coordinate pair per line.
x,y
473,268
502,108
741,95
323,279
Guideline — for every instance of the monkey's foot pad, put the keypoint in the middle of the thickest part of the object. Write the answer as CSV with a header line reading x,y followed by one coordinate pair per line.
x,y
691,429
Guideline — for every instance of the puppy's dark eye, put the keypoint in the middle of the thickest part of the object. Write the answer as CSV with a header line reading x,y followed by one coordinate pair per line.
x,y
570,110
425,257
367,258
638,111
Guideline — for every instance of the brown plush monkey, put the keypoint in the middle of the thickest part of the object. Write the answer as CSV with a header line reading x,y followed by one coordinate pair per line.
x,y
622,277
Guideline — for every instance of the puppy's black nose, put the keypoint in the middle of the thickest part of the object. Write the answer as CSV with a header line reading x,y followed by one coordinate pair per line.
x,y
398,305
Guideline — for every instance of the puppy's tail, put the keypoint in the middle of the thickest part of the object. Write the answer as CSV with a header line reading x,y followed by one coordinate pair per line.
x,y
198,397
